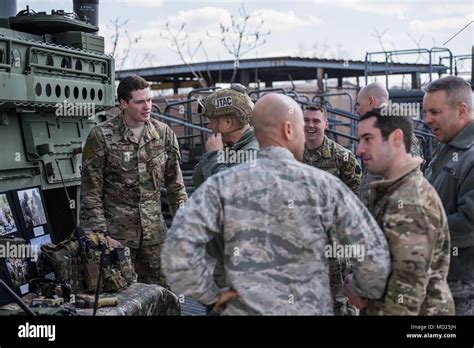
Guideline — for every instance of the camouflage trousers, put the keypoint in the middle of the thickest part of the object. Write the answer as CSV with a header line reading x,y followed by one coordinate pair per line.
x,y
338,270
463,295
147,263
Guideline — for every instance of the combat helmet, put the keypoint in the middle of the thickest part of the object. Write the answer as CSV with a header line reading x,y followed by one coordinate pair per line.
x,y
228,102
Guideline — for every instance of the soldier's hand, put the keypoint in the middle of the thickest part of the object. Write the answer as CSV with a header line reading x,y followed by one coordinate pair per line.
x,y
214,143
223,299
113,243
354,299
358,302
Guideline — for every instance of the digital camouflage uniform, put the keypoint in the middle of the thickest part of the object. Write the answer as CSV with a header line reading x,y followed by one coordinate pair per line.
x,y
412,217
451,173
342,163
226,102
120,188
368,178
277,220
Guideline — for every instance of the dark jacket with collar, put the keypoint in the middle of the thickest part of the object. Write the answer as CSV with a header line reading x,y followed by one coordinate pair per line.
x,y
212,162
451,173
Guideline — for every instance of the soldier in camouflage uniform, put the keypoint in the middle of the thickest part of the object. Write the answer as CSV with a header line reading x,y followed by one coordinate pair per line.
x,y
278,219
325,154
229,111
124,161
412,217
370,97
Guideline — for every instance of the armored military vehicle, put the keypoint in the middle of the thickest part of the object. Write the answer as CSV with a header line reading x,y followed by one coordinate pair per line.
x,y
55,83
55,80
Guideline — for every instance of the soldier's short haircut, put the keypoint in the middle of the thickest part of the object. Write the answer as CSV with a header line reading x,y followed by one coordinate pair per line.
x,y
387,124
130,84
376,90
316,107
457,90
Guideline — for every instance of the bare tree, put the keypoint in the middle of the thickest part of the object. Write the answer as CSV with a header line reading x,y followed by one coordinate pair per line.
x,y
181,45
116,35
326,51
237,38
147,58
123,56
209,76
379,37
341,52
320,50
393,57
417,44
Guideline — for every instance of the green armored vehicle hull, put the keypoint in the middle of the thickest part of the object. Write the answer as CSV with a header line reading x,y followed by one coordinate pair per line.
x,y
55,83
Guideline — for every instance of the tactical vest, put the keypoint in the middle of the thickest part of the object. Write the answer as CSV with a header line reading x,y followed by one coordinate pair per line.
x,y
82,271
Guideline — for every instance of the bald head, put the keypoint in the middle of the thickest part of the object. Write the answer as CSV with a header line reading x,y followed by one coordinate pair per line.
x,y
278,121
376,90
372,96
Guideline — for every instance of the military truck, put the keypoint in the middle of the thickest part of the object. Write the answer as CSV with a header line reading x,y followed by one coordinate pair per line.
x,y
55,83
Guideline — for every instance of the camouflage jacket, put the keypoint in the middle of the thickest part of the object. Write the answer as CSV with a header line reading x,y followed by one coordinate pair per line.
x,y
277,220
412,217
452,175
368,178
214,161
121,179
336,160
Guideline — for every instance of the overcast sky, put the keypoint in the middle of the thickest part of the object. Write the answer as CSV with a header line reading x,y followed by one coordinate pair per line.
x,y
331,29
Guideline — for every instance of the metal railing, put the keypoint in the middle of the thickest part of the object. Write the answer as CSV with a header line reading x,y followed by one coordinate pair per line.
x,y
388,63
180,122
324,95
458,59
336,118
